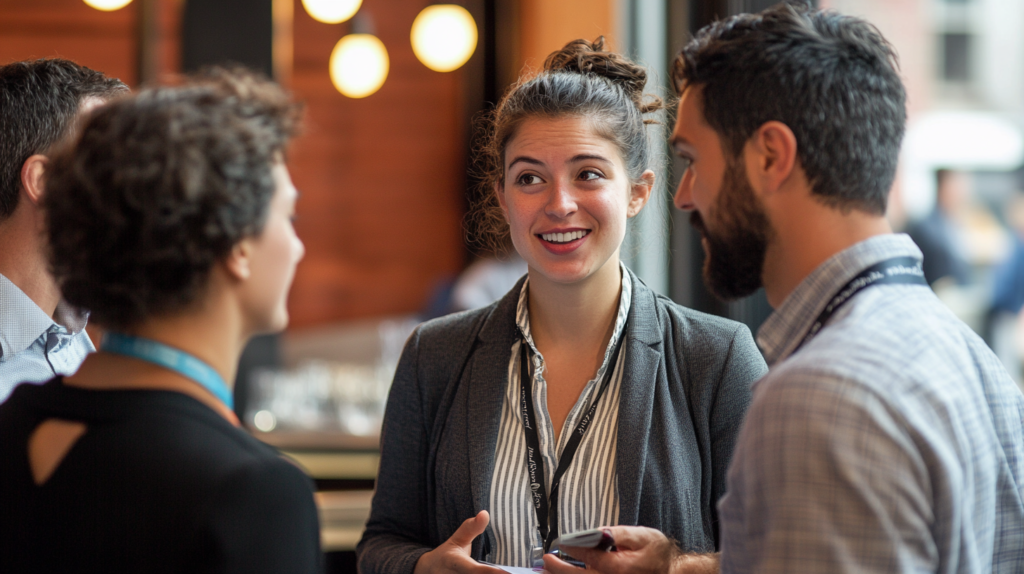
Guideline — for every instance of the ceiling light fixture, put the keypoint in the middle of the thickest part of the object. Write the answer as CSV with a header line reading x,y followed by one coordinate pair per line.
x,y
331,11
359,65
108,5
444,36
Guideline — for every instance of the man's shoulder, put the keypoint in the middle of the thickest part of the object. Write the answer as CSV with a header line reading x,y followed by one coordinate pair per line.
x,y
893,356
900,331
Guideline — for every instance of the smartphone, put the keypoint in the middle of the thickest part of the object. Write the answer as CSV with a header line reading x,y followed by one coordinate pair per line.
x,y
596,538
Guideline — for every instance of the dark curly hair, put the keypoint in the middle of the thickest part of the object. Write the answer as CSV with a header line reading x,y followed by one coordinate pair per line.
x,y
581,79
39,101
161,186
832,79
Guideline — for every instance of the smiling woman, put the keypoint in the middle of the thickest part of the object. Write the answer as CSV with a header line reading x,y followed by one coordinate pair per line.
x,y
581,399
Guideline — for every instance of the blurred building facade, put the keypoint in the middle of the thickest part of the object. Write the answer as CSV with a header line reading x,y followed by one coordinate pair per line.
x,y
962,61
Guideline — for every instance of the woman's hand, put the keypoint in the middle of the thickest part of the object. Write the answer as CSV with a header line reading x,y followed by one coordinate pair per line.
x,y
454,555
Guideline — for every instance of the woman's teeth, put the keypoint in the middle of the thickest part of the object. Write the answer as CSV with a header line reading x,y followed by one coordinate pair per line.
x,y
563,237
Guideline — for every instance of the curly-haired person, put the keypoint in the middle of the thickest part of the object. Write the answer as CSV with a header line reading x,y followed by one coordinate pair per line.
x,y
170,219
41,335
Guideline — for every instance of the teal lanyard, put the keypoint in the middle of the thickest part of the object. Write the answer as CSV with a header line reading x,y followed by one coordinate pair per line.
x,y
170,358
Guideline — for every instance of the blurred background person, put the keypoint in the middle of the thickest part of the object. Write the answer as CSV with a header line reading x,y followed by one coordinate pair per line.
x,y
1007,330
41,335
939,234
487,279
171,220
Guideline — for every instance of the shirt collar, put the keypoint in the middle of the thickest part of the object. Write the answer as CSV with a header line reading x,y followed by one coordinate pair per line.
x,y
22,321
786,327
625,297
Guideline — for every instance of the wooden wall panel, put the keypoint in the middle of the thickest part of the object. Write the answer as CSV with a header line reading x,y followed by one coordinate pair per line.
x,y
103,41
546,25
382,178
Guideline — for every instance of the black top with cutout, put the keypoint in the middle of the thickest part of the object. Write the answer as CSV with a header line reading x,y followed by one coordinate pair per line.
x,y
158,483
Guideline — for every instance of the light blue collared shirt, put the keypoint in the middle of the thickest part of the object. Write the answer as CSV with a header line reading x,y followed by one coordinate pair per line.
x,y
33,347
892,441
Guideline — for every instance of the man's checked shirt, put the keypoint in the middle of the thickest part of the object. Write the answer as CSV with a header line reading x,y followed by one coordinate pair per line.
x,y
890,442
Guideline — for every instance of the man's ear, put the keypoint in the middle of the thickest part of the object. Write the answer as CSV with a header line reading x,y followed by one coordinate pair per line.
x,y
499,190
770,157
238,262
640,193
32,172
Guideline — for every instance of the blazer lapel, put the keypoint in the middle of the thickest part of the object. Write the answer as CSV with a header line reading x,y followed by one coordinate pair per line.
x,y
486,394
486,381
643,357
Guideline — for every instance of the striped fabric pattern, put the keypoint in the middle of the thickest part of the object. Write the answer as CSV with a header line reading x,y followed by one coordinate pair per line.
x,y
589,492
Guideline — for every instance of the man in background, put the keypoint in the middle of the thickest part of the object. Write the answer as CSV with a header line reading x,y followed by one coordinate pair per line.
x,y
40,335
886,436
939,236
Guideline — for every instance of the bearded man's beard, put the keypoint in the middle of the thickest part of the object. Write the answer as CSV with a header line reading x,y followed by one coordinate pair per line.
x,y
735,250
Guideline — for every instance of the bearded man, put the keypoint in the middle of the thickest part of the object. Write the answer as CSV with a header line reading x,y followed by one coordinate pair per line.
x,y
886,436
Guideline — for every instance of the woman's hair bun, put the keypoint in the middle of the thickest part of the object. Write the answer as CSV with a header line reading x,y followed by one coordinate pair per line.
x,y
585,57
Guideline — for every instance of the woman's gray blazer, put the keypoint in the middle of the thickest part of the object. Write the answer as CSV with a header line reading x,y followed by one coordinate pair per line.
x,y
685,389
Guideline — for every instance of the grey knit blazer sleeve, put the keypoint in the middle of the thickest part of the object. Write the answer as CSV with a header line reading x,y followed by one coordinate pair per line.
x,y
402,521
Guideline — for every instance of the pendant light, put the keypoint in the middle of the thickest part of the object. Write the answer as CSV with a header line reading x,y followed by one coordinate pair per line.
x,y
359,62
331,11
108,5
444,36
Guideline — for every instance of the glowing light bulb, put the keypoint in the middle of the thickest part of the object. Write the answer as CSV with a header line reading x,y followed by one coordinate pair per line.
x,y
359,65
108,5
331,11
444,36
265,421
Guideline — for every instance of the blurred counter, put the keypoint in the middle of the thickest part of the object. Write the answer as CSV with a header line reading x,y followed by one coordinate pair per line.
x,y
322,407
331,457
328,455
342,518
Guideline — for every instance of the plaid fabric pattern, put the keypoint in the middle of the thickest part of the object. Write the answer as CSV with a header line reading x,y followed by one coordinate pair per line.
x,y
33,347
893,441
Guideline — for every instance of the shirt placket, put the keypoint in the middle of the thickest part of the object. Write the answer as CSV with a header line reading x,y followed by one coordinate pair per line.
x,y
57,340
550,448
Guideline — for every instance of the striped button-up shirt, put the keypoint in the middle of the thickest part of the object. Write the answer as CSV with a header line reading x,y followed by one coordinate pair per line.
x,y
892,441
34,347
588,495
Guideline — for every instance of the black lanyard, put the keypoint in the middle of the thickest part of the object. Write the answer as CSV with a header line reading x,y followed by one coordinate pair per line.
x,y
547,512
898,270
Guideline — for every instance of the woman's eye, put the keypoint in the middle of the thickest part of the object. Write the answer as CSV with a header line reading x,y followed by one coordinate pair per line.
x,y
589,175
685,163
528,179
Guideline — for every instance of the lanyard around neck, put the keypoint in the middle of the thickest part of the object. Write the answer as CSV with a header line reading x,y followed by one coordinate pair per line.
x,y
547,505
176,360
897,270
